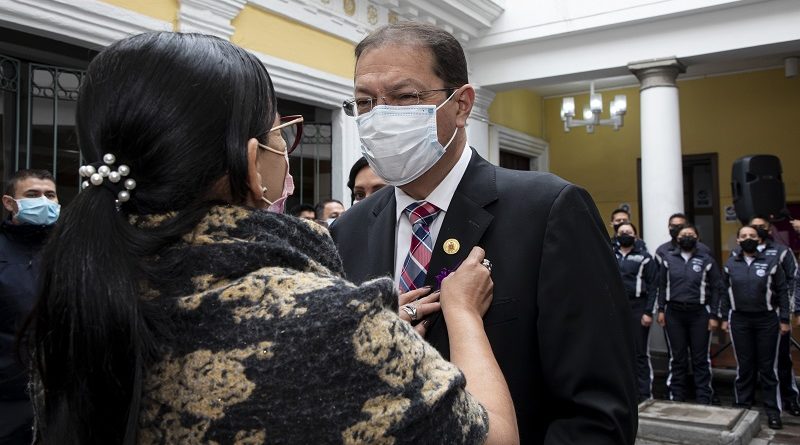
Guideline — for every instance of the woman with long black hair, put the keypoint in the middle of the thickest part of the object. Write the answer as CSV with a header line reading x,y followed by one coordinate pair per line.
x,y
176,309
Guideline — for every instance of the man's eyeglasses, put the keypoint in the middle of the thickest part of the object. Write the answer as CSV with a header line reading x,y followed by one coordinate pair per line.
x,y
291,128
357,106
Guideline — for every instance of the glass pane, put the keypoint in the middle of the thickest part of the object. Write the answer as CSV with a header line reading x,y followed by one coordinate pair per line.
x,y
311,165
41,134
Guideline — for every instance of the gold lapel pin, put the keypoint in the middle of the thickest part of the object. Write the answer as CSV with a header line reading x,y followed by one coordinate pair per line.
x,y
451,246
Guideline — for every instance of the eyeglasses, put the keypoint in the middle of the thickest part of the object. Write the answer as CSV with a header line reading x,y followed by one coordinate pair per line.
x,y
291,128
357,106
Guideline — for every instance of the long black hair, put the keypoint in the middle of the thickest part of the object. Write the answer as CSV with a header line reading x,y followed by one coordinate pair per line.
x,y
178,109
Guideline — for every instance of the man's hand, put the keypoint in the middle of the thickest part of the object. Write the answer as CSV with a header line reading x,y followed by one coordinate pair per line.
x,y
662,321
785,328
724,326
713,324
647,320
796,225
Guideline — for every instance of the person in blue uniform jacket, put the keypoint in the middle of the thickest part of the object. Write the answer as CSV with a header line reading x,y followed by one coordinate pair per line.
x,y
756,313
790,395
689,285
639,276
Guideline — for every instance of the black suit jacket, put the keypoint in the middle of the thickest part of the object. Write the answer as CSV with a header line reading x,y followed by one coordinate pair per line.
x,y
559,321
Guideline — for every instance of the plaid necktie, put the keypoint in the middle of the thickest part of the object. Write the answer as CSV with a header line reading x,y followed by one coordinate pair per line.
x,y
421,214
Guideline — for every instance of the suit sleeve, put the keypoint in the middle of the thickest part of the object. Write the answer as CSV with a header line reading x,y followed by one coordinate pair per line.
x,y
724,301
715,287
651,283
789,265
780,290
663,274
797,291
585,340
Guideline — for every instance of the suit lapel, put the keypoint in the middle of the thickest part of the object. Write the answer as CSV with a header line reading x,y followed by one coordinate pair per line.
x,y
380,238
466,221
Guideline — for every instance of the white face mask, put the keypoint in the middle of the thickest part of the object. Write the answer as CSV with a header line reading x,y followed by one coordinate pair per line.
x,y
401,143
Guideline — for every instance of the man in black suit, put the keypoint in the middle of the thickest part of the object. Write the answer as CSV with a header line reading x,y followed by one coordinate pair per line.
x,y
558,323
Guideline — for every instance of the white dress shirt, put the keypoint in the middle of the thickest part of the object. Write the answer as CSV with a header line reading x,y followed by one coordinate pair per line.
x,y
440,197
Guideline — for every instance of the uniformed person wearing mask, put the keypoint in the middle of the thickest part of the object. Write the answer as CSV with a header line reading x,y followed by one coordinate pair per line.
x,y
639,276
689,286
674,225
32,203
756,313
619,217
771,248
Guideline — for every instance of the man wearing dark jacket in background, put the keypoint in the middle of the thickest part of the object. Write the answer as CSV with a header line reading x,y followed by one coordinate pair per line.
x,y
32,203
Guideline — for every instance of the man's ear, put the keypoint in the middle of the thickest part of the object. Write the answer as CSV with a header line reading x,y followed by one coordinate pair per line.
x,y
465,100
253,176
10,204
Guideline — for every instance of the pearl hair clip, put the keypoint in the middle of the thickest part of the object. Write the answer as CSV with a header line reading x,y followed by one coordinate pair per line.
x,y
97,176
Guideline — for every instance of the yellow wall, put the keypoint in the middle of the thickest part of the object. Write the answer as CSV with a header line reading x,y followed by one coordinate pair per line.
x,y
166,10
733,116
519,110
604,162
283,38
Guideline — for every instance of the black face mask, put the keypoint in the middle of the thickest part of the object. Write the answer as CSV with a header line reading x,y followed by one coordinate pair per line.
x,y
673,231
687,242
749,245
625,240
762,233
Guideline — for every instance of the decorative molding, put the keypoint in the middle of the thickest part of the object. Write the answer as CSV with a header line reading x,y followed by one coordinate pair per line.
x,y
514,141
88,23
657,72
465,19
483,99
209,16
328,17
308,85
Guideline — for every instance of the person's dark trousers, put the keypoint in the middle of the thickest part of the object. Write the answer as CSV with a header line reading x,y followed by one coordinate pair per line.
x,y
755,342
789,391
641,336
16,422
687,328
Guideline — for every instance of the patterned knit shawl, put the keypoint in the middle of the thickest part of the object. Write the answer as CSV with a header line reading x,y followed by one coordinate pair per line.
x,y
271,345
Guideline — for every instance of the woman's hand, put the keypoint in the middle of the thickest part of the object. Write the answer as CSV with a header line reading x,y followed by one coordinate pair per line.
x,y
713,324
724,326
662,321
423,306
469,288
785,328
647,320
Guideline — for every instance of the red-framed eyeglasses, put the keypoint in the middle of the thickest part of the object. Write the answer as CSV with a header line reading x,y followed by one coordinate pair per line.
x,y
291,128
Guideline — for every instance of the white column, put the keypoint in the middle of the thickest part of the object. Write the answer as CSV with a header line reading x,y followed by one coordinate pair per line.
x,y
478,123
345,151
662,162
662,165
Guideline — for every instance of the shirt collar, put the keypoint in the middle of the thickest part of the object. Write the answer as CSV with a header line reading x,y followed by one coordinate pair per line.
x,y
443,193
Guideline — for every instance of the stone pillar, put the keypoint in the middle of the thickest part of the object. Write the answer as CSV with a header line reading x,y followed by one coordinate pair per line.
x,y
478,123
662,165
662,162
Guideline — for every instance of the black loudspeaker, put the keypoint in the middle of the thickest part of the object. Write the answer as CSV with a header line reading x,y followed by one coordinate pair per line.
x,y
758,187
